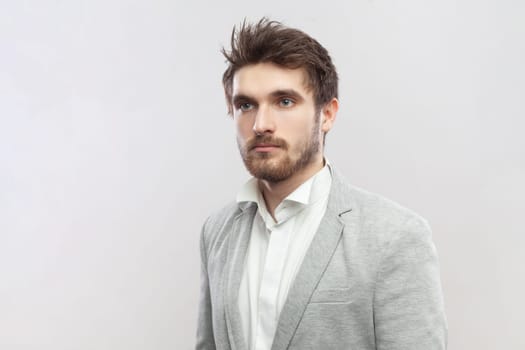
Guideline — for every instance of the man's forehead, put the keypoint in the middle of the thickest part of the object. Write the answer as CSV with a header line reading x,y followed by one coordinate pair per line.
x,y
266,78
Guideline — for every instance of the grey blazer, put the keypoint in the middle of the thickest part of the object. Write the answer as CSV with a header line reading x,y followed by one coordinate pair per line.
x,y
369,280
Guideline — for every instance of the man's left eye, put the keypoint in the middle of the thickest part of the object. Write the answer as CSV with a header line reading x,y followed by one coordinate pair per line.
x,y
286,102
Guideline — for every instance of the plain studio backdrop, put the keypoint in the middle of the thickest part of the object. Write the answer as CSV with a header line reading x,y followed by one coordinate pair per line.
x,y
115,146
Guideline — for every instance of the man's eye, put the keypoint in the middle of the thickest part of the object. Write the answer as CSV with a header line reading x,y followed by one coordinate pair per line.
x,y
286,102
245,106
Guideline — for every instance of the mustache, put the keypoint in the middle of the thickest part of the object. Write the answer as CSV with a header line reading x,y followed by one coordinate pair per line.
x,y
266,139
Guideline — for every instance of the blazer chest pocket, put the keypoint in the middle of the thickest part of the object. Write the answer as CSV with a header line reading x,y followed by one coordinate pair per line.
x,y
332,296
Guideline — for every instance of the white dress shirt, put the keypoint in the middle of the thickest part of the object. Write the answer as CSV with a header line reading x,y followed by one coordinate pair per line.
x,y
275,253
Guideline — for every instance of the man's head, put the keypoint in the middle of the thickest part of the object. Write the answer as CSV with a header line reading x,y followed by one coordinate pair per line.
x,y
271,42
281,89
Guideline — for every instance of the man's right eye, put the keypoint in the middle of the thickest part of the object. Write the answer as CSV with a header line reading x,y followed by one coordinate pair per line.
x,y
246,106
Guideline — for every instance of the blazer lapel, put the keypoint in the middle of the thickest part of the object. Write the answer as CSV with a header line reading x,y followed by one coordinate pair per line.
x,y
314,264
238,245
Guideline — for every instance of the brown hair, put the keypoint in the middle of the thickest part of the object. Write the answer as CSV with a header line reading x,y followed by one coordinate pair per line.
x,y
271,41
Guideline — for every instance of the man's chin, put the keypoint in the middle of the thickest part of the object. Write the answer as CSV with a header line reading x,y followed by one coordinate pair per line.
x,y
269,173
270,177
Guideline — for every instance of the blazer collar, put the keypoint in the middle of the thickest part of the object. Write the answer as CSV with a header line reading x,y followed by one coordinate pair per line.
x,y
237,247
317,257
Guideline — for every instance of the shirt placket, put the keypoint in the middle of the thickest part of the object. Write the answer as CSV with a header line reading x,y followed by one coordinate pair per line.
x,y
269,290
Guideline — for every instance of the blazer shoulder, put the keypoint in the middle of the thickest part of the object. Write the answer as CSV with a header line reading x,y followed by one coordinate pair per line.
x,y
219,217
385,215
218,223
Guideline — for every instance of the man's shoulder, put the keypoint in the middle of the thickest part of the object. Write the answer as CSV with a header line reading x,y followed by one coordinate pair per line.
x,y
378,205
378,223
224,214
219,223
379,213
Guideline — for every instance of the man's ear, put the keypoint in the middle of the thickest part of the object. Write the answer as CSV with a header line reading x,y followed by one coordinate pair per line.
x,y
328,114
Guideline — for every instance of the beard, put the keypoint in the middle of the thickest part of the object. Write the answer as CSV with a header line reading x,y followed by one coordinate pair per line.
x,y
276,168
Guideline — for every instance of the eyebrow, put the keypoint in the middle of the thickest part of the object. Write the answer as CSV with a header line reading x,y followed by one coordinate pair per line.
x,y
240,98
288,92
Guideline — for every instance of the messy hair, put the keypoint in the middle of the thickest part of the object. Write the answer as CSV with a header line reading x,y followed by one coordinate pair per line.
x,y
271,42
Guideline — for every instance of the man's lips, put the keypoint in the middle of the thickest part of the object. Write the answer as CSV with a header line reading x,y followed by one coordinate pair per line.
x,y
264,147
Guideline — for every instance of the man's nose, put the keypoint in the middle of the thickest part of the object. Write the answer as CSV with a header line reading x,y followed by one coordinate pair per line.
x,y
264,121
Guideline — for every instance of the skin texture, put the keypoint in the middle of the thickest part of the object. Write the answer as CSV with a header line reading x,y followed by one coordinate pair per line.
x,y
279,134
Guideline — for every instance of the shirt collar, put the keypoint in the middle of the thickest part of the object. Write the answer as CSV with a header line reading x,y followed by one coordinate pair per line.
x,y
310,191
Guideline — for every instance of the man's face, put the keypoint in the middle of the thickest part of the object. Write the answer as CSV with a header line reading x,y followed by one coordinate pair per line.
x,y
278,129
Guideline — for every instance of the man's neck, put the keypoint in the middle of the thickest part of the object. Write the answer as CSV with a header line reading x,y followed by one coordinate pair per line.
x,y
274,192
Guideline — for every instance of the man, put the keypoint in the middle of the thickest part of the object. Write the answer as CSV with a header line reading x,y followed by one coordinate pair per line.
x,y
303,260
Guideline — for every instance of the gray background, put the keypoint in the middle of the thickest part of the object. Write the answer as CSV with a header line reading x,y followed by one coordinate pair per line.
x,y
115,146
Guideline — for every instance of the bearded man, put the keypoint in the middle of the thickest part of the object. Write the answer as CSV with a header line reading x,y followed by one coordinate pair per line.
x,y
303,260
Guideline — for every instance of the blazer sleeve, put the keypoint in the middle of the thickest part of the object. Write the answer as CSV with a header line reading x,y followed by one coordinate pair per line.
x,y
408,302
205,338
